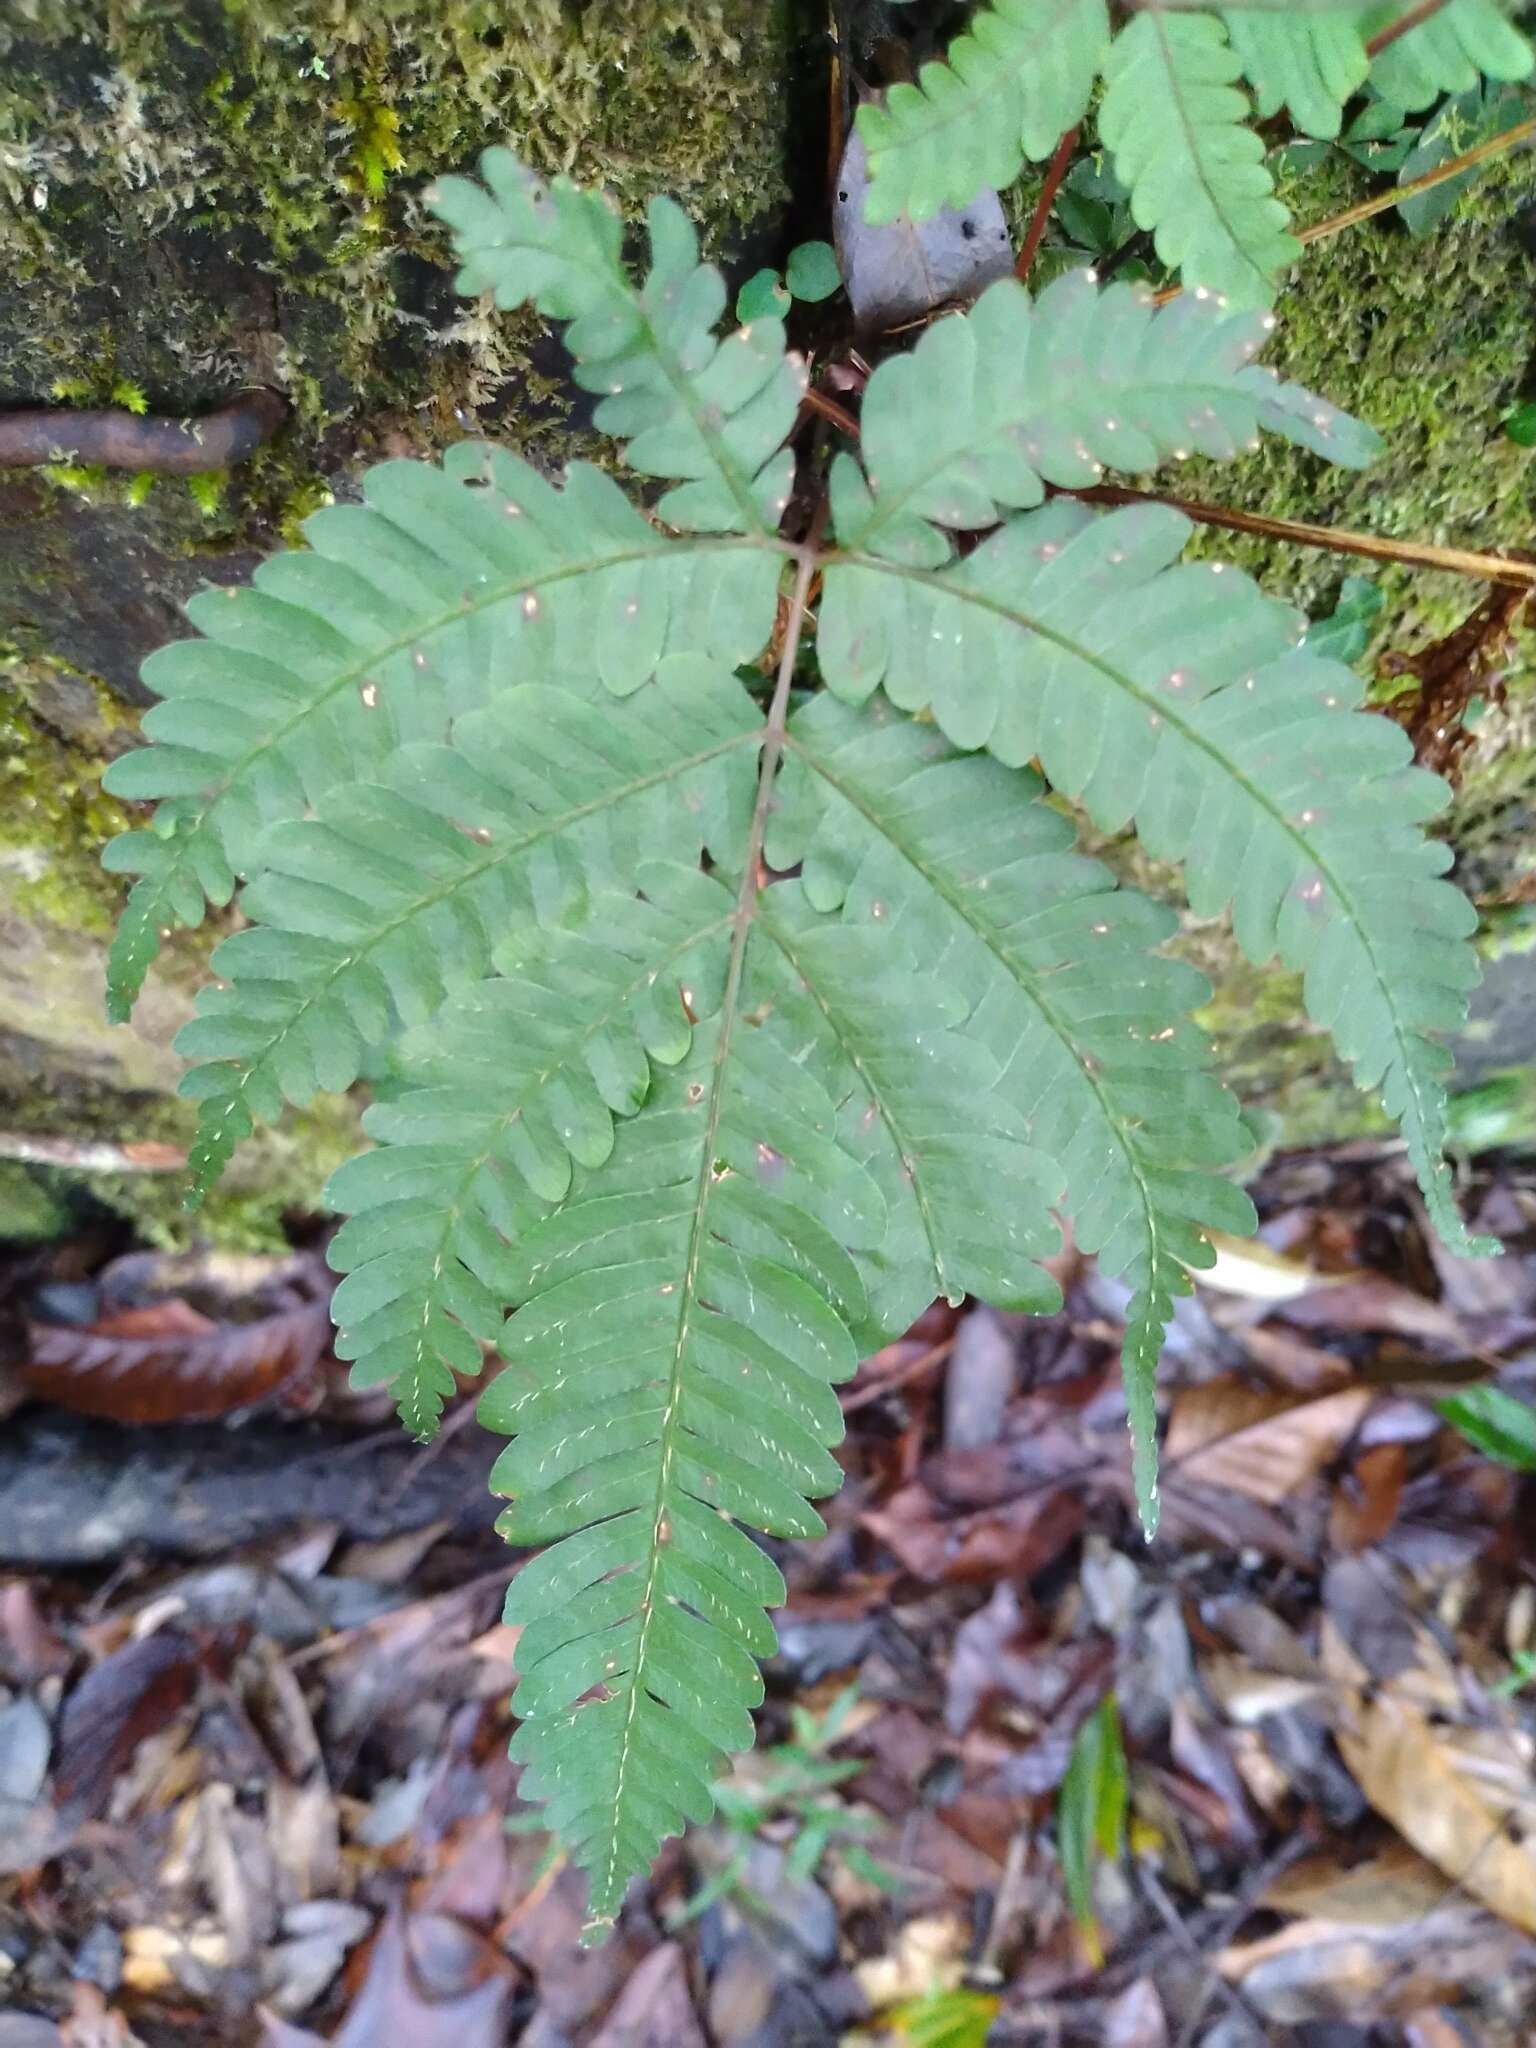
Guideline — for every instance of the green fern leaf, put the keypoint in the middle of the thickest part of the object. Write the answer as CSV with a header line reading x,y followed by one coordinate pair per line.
x,y
1458,45
714,414
1171,696
420,603
1309,62
1056,971
1013,396
683,1316
1007,91
1172,119
513,1086
371,910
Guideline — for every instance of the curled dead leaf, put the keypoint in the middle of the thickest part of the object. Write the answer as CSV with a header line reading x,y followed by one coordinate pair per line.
x,y
168,1363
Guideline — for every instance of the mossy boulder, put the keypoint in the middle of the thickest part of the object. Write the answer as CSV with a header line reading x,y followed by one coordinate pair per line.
x,y
198,197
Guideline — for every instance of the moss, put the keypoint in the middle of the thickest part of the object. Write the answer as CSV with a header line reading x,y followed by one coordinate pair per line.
x,y
256,168
1431,341
56,727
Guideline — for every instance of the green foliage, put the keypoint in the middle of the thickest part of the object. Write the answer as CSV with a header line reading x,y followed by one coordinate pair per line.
x,y
1173,120
1008,90
1174,114
789,1790
1091,1810
956,2018
812,273
1497,1424
727,1024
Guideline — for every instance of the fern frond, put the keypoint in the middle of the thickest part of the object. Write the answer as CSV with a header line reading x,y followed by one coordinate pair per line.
x,y
683,1317
1459,44
395,891
711,413
1015,395
1173,119
442,588
1056,968
1007,91
512,1086
1309,61
1171,696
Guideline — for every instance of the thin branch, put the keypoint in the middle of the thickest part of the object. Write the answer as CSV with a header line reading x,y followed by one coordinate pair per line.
x,y
1385,36
1419,554
1496,145
843,420
1053,177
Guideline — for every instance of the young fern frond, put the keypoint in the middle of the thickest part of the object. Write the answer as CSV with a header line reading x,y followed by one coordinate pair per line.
x,y
711,413
1006,92
722,1035
1173,121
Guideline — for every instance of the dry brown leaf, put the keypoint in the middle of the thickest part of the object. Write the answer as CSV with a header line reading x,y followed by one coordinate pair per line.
x,y
168,1363
1226,1433
1255,1271
1411,1776
655,2009
1366,1502
1390,1889
1313,1969
1373,1302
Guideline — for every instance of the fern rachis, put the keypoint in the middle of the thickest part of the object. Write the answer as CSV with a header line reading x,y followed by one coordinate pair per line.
x,y
726,1023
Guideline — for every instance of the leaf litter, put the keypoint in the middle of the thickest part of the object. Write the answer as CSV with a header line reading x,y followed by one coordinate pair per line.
x,y
1022,1778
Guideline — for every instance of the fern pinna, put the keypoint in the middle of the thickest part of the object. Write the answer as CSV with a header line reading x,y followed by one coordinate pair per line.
x,y
1175,115
737,1004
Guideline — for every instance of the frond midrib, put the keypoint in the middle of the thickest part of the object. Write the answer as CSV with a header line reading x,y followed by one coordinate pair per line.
x,y
772,737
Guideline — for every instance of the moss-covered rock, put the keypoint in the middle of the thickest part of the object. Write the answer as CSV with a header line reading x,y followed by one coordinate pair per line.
x,y
202,195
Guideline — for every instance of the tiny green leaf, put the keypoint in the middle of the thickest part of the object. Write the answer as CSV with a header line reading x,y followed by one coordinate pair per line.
x,y
1090,1812
813,274
1497,1424
762,297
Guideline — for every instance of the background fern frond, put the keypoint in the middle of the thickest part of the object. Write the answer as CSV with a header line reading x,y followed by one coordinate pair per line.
x,y
394,892
1459,44
1055,967
1307,61
1173,120
1170,695
1014,395
712,414
443,587
1007,91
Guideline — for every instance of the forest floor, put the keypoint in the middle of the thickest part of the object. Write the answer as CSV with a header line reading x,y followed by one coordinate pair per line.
x,y
1021,1777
